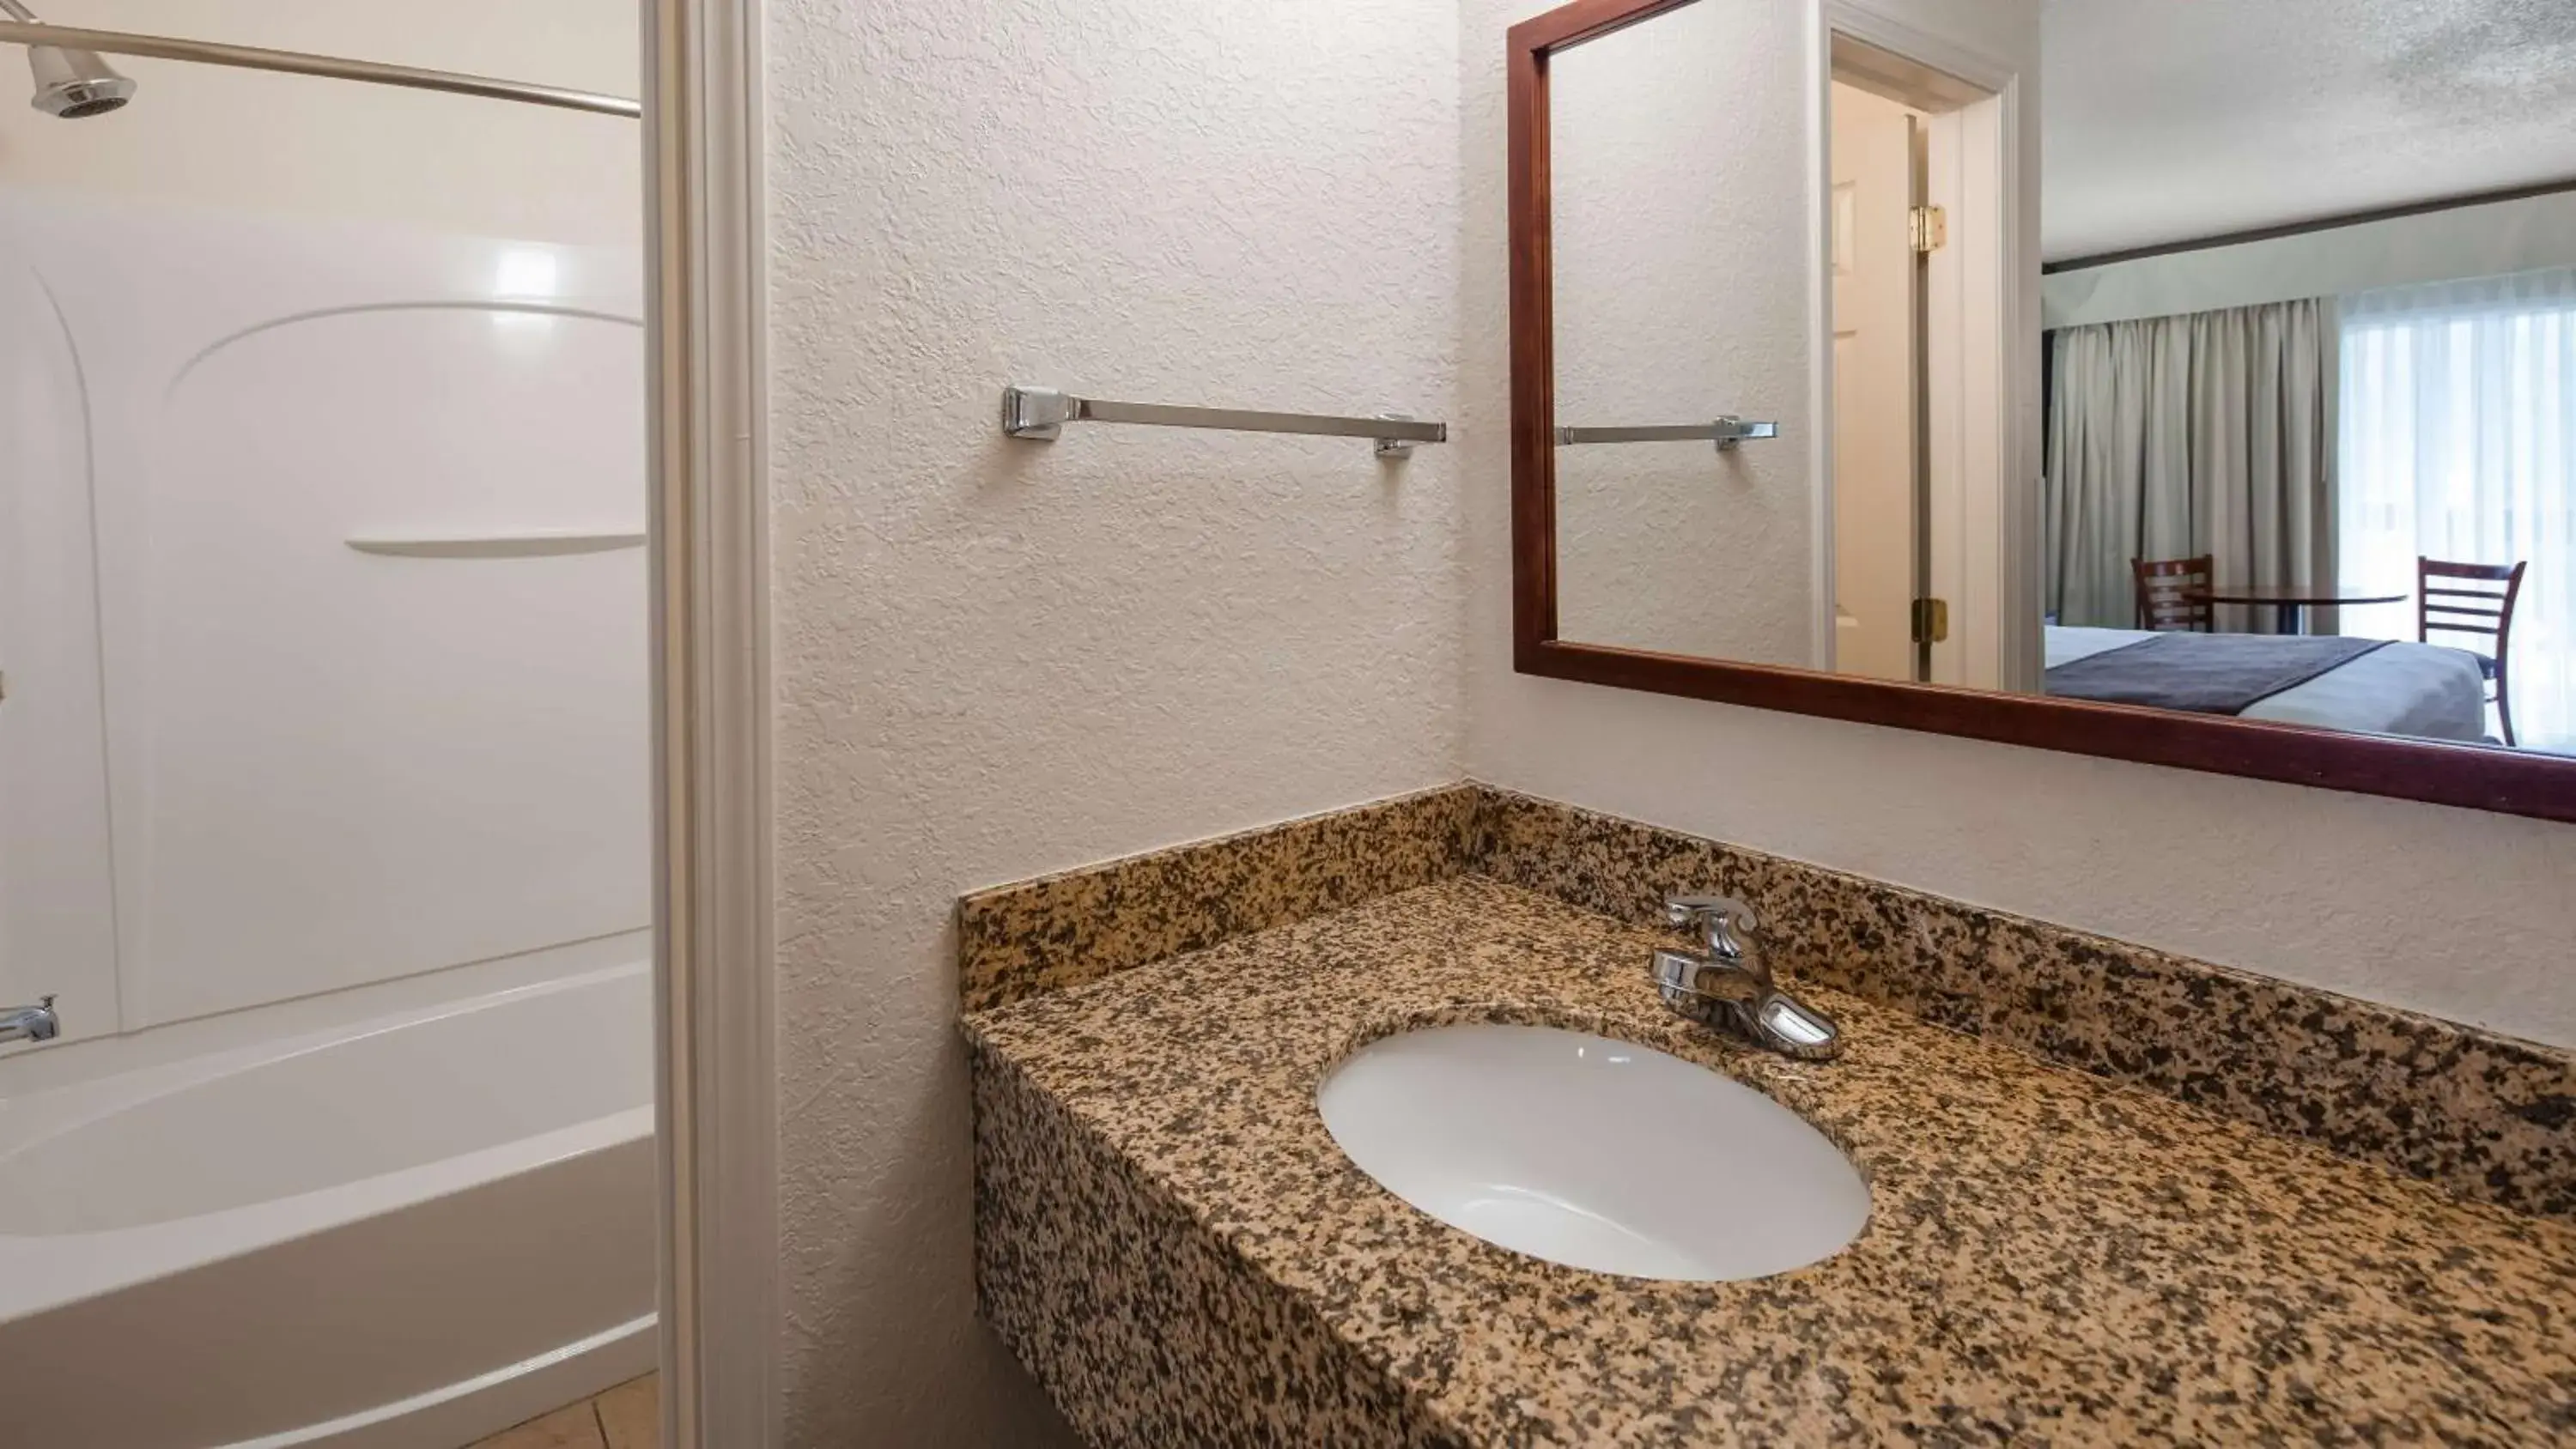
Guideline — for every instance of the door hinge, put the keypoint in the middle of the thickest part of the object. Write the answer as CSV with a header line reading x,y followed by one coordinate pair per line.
x,y
1931,621
1927,228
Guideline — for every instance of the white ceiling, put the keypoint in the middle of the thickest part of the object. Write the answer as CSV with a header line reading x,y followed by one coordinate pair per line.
x,y
2168,120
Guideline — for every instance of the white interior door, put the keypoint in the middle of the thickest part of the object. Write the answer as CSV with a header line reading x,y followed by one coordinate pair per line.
x,y
1874,483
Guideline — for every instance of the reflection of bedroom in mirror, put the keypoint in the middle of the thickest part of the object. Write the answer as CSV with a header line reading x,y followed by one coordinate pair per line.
x,y
2234,379
2311,380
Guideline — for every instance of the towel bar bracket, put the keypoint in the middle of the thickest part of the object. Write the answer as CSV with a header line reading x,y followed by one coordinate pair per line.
x,y
1037,413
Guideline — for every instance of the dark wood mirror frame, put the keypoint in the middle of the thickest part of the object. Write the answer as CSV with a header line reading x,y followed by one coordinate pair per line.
x,y
2476,777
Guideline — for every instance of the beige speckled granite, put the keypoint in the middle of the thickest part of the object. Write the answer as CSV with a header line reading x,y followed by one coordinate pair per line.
x,y
1063,930
1167,1236
2483,1115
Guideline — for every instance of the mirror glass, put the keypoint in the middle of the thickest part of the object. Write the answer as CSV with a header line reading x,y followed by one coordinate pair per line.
x,y
2291,436
1672,545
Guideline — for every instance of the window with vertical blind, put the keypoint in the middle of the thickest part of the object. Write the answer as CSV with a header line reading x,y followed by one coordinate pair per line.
x,y
2458,442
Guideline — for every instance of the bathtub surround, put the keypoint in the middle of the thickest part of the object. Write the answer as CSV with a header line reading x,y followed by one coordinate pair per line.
x,y
2480,1115
216,402
2050,1258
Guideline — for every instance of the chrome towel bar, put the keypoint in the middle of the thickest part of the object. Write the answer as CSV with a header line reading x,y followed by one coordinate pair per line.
x,y
1726,432
1040,413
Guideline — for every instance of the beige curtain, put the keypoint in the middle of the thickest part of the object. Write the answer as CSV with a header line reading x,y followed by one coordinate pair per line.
x,y
2168,437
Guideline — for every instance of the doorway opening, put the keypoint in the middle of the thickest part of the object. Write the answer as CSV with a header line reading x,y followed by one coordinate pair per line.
x,y
1916,236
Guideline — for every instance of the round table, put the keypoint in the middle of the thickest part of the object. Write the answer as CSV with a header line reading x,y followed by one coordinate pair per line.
x,y
2292,600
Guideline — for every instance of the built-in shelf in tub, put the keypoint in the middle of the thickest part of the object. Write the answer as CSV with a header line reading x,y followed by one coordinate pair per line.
x,y
520,545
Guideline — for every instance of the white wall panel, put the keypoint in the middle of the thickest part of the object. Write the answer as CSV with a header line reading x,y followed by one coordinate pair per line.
x,y
327,767
57,911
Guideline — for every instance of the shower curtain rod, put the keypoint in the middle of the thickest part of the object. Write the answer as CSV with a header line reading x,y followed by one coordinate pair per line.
x,y
296,62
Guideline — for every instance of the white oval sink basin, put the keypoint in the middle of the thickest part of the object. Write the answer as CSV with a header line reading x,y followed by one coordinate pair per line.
x,y
1594,1153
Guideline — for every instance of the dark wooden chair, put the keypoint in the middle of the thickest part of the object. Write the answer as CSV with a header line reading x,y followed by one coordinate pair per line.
x,y
2164,587
2473,599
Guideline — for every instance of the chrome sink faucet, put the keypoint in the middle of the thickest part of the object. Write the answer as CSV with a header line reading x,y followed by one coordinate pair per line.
x,y
1731,983
30,1023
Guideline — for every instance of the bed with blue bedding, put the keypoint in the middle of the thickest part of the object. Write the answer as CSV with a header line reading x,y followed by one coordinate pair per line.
x,y
2425,691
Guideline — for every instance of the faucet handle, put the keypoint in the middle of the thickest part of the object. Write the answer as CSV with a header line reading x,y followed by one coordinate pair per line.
x,y
1711,912
1683,910
1717,919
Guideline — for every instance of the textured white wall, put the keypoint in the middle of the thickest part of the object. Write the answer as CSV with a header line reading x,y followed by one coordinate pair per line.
x,y
2458,912
2168,122
1673,166
998,658
2493,240
252,141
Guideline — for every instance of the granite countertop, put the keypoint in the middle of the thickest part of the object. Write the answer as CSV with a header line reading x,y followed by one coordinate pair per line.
x,y
2050,1258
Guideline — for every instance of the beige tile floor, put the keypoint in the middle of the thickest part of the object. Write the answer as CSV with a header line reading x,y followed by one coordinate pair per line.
x,y
628,1416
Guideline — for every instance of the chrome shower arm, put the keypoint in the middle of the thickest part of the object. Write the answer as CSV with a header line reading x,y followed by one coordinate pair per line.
x,y
28,31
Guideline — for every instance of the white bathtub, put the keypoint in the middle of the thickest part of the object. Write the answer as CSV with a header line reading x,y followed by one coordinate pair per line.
x,y
403,1233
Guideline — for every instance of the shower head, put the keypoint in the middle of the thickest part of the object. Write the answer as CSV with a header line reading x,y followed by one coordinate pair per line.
x,y
71,84
74,84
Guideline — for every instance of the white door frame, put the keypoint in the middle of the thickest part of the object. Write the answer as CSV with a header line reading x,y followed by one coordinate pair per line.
x,y
715,1081
1992,414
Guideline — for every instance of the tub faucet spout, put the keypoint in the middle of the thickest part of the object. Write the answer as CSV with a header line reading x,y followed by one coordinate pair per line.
x,y
30,1023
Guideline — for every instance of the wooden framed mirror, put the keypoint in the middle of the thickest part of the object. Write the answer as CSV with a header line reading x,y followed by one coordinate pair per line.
x,y
1676,532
